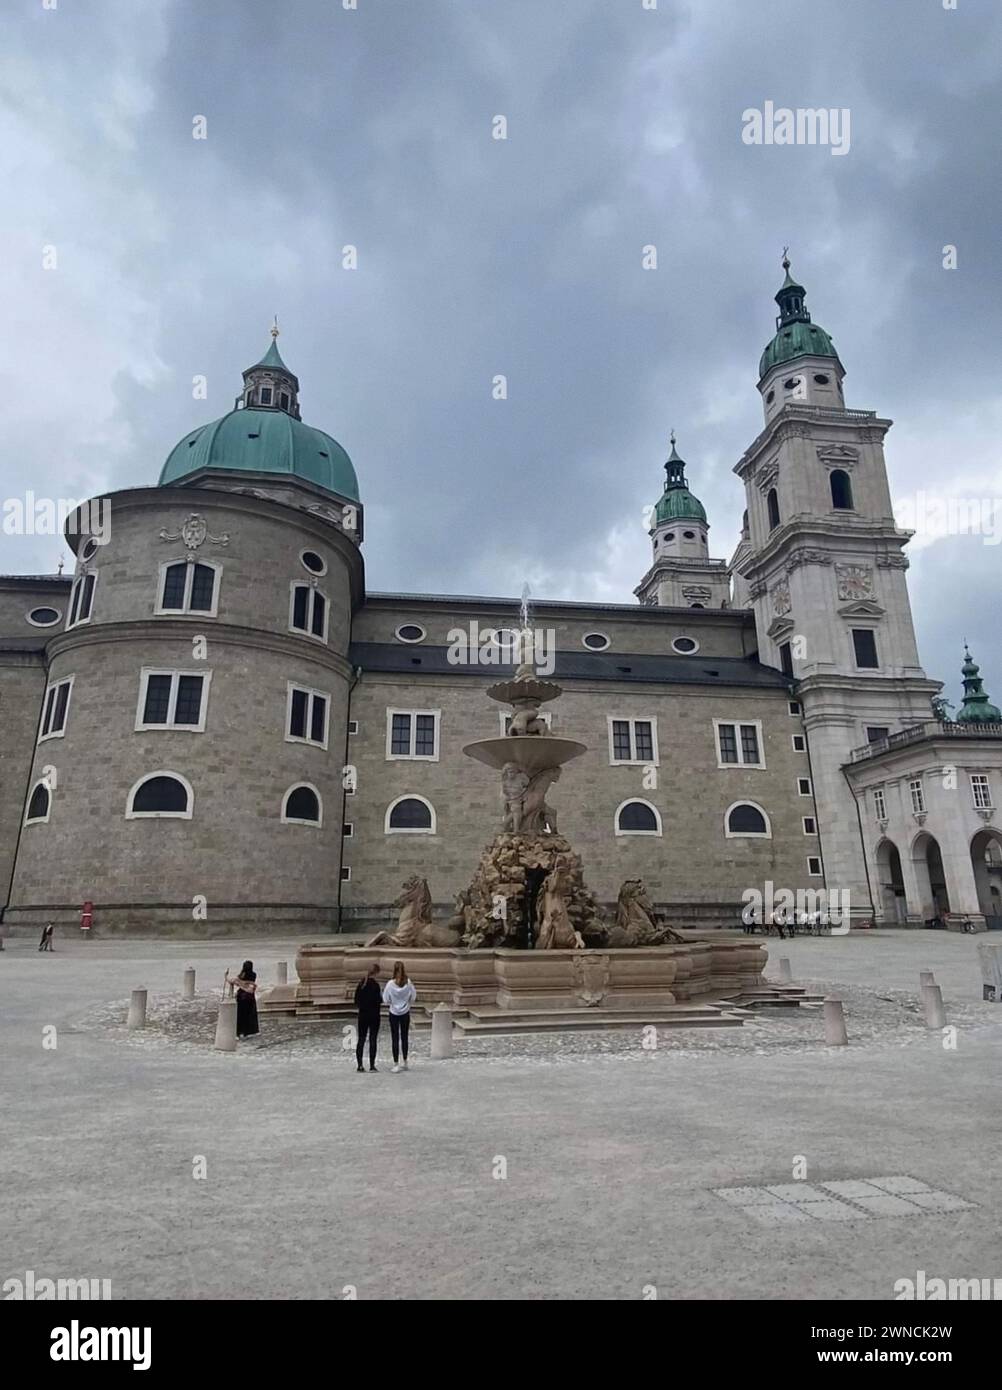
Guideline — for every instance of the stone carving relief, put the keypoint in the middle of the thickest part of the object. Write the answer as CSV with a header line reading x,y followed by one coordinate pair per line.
x,y
699,593
838,455
194,532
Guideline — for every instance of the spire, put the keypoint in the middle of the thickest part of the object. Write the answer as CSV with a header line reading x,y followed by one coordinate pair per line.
x,y
677,502
790,297
269,385
977,708
675,467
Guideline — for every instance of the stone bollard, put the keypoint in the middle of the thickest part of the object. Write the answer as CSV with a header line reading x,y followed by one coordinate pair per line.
x,y
835,1034
785,971
188,991
932,1003
441,1032
282,972
137,1009
990,957
926,977
226,1026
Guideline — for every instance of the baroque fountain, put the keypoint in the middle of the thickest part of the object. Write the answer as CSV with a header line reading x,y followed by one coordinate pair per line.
x,y
527,935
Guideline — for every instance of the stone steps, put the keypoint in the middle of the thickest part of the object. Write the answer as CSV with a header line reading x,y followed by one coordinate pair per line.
x,y
498,1022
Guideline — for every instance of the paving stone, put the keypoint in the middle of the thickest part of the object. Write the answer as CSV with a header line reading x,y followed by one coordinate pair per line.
x,y
742,1196
886,1205
831,1210
901,1184
796,1192
775,1213
938,1201
851,1188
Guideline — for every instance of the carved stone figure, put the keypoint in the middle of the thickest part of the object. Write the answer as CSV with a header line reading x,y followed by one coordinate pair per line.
x,y
525,808
526,720
636,922
557,932
415,927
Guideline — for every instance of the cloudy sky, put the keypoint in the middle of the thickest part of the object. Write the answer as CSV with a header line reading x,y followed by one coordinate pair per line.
x,y
372,127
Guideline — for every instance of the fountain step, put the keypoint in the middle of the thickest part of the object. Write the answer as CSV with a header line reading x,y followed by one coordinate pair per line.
x,y
480,1023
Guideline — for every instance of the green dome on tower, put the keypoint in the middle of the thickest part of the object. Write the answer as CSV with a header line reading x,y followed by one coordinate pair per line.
x,y
264,435
677,503
977,708
796,335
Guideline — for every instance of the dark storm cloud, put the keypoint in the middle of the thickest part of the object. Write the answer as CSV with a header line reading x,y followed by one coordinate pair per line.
x,y
522,257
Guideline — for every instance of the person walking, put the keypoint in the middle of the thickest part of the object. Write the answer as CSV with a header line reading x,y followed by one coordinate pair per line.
x,y
246,985
368,998
398,996
46,942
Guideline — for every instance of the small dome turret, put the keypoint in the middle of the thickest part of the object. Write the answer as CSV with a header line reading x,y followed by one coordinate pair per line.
x,y
677,503
796,335
977,708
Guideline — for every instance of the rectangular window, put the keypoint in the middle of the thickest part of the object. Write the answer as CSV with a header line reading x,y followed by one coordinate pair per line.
x,y
352,726
738,745
412,733
864,645
55,709
795,708
810,825
799,743
81,599
308,611
283,400
917,795
345,874
814,866
266,395
307,715
173,700
633,740
804,786
187,587
879,804
982,791
347,830
876,732
786,659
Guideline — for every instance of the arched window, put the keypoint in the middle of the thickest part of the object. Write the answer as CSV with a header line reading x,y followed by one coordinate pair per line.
x,y
772,502
638,818
410,815
161,794
841,490
302,805
747,820
39,804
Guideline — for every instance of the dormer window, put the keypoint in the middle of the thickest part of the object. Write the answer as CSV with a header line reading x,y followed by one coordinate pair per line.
x,y
283,400
266,394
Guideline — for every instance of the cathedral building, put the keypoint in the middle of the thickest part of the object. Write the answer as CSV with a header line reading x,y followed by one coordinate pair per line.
x,y
212,726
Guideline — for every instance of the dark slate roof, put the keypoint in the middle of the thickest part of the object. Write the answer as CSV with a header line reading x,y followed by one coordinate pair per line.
x,y
536,605
572,665
31,580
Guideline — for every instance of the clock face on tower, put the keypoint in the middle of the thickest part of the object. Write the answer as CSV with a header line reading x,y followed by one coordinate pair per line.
x,y
854,581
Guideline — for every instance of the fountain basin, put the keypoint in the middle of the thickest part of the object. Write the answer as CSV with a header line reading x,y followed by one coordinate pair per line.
x,y
531,754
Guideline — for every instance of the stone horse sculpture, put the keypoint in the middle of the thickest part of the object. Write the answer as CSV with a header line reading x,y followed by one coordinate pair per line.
x,y
637,923
415,927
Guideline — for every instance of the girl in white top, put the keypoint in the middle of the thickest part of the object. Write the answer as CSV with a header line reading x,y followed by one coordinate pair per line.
x,y
398,996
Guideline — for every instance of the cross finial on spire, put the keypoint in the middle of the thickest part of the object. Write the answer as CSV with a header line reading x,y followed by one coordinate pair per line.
x,y
671,438
274,328
786,258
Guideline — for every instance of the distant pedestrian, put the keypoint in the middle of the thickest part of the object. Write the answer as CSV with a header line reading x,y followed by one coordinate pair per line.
x,y
46,942
368,998
398,996
246,986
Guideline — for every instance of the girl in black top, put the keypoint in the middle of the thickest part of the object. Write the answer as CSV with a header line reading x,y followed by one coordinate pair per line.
x,y
246,983
368,997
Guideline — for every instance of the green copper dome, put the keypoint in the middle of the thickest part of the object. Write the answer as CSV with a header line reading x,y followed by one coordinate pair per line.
x,y
264,441
796,335
677,503
977,708
264,435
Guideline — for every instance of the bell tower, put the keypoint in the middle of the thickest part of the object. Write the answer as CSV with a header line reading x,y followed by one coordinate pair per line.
x,y
681,575
824,566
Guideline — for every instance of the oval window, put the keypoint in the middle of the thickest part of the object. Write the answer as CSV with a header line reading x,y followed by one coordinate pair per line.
x,y
685,646
89,550
822,380
689,535
791,384
770,398
670,536
313,562
44,617
595,641
410,632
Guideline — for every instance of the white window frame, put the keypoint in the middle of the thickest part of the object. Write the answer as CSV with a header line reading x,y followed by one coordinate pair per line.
x,y
876,649
316,574
797,713
130,814
184,611
345,873
684,637
75,588
650,806
307,631
632,720
411,641
38,820
38,606
730,834
814,825
144,676
352,727
54,686
802,746
879,803
413,757
980,783
311,695
810,787
348,829
295,820
736,724
389,829
606,641
916,793
505,718
819,872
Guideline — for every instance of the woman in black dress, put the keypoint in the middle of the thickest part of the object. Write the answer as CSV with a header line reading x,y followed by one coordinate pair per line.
x,y
246,983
